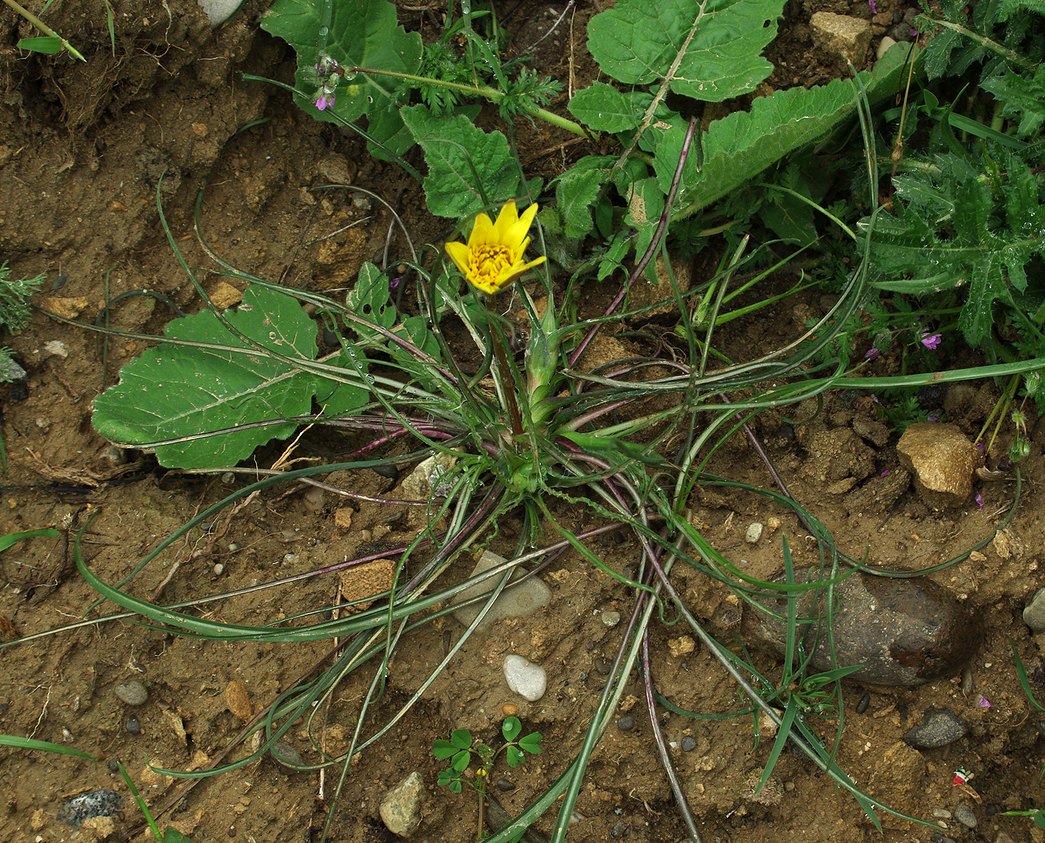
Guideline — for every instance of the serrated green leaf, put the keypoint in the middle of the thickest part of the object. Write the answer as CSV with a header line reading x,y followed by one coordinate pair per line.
x,y
468,169
176,391
606,109
576,191
707,50
362,33
371,299
1021,98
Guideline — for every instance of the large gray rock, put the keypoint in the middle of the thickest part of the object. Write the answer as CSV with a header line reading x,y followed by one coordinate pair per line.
x,y
943,462
401,807
1034,612
518,599
904,632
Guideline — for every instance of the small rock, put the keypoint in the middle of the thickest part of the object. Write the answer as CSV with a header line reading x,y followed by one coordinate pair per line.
x,y
524,677
943,462
132,724
68,307
401,807
681,646
904,632
237,700
1034,612
515,601
964,814
432,478
11,372
611,618
287,755
133,692
939,727
56,348
95,803
884,46
101,828
689,743
753,533
847,37
626,723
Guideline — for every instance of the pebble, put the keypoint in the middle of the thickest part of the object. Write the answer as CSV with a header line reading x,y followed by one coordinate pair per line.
x,y
504,786
611,619
904,632
515,601
626,723
618,830
1034,612
95,803
939,727
132,724
524,677
133,692
603,666
884,46
689,743
401,807
964,814
753,533
943,462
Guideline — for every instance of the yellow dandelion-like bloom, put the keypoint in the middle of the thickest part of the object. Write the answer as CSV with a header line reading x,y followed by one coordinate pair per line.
x,y
493,257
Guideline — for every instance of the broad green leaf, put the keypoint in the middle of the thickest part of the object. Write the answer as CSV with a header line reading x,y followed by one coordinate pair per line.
x,y
510,728
708,50
443,749
461,738
371,299
461,761
47,45
176,391
468,169
531,743
362,33
605,109
514,756
740,146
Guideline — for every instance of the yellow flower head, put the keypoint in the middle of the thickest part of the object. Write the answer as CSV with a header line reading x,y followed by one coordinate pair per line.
x,y
493,257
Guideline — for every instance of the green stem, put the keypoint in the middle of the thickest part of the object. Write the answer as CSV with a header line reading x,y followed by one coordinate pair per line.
x,y
986,43
44,28
486,91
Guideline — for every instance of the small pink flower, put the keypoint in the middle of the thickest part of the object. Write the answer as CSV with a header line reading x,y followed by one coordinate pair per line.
x,y
979,500
885,472
871,353
932,341
983,702
325,101
873,6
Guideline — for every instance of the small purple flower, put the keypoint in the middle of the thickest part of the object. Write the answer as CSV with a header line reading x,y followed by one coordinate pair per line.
x,y
983,702
323,102
885,472
932,417
873,6
871,354
979,500
932,341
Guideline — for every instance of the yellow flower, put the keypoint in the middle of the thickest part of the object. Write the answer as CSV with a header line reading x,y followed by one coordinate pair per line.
x,y
493,257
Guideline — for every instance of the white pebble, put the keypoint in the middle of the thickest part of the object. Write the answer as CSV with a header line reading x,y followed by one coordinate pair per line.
x,y
524,677
754,533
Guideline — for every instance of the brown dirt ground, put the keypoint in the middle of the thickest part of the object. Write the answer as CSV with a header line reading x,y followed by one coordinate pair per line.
x,y
81,149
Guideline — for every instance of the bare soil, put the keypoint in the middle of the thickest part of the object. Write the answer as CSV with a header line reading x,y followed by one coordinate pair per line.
x,y
82,149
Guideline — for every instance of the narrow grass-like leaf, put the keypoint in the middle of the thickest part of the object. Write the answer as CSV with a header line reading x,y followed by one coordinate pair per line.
x,y
18,742
10,539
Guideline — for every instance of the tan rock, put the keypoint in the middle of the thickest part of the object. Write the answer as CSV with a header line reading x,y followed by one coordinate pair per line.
x,y
943,462
237,700
842,35
681,646
362,581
